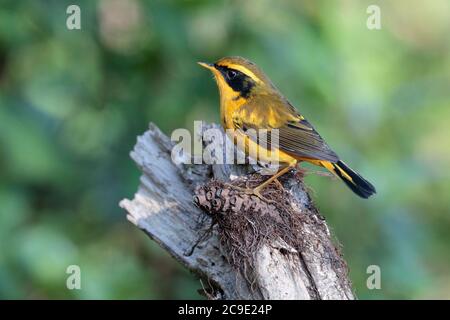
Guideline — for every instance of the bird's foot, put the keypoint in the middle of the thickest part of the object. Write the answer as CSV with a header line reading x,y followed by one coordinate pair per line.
x,y
249,191
278,183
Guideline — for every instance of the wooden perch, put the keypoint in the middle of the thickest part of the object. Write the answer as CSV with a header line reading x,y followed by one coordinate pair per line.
x,y
239,246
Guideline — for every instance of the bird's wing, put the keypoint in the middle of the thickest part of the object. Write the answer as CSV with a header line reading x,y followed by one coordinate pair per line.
x,y
296,135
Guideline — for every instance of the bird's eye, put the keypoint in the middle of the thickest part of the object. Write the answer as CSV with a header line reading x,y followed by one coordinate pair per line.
x,y
231,74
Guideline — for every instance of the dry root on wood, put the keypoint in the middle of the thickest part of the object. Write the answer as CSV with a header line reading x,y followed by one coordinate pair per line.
x,y
245,223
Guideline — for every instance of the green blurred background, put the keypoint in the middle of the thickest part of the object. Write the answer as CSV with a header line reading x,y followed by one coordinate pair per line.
x,y
73,102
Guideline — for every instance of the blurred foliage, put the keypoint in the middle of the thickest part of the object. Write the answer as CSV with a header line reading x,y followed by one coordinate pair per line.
x,y
73,102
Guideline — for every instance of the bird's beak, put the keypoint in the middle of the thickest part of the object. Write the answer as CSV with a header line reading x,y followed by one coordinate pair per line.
x,y
209,66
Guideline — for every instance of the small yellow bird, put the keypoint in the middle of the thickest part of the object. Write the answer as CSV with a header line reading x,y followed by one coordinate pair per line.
x,y
249,100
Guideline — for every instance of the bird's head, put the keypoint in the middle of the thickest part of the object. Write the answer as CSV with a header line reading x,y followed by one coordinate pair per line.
x,y
237,78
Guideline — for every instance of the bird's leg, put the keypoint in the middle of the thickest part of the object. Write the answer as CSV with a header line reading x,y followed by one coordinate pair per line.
x,y
257,190
250,191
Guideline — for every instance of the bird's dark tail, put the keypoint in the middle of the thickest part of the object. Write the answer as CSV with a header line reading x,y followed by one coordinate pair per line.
x,y
353,180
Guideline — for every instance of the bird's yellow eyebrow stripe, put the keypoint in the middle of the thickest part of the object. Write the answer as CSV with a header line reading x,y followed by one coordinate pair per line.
x,y
242,69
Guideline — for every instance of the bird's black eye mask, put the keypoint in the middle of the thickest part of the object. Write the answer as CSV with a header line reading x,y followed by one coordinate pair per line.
x,y
238,81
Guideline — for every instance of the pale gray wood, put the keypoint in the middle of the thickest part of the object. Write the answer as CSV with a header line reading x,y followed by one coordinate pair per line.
x,y
163,208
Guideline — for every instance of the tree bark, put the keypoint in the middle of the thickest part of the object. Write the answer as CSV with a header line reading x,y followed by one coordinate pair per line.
x,y
273,266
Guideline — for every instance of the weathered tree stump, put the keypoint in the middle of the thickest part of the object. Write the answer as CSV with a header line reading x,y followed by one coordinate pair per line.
x,y
241,247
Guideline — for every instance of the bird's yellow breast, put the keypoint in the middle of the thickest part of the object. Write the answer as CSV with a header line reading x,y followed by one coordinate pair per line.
x,y
263,155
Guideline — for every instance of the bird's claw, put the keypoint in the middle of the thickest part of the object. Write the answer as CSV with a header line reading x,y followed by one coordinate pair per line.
x,y
257,192
249,191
